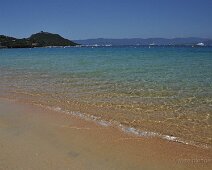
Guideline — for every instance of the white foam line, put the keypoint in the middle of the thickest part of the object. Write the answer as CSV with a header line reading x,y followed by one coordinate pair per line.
x,y
126,129
81,115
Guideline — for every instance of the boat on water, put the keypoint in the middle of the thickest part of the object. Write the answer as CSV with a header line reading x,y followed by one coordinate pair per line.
x,y
200,44
152,44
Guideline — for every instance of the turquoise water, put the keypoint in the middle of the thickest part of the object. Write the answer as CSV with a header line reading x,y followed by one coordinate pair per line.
x,y
160,89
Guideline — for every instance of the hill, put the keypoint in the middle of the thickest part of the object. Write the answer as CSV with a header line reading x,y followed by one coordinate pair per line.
x,y
49,39
41,39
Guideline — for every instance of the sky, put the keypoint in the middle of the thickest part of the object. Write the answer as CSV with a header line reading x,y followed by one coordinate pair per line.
x,y
83,19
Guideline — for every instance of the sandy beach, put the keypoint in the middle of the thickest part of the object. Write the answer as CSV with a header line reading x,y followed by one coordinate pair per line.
x,y
35,138
105,85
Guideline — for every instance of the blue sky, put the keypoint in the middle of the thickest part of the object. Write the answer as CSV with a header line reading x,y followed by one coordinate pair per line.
x,y
82,19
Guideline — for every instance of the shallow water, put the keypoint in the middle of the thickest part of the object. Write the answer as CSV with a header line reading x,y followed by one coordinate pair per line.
x,y
162,90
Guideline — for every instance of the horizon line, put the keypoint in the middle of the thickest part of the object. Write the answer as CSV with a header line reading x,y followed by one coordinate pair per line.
x,y
120,38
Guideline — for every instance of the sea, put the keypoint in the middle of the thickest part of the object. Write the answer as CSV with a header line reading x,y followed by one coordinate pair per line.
x,y
164,92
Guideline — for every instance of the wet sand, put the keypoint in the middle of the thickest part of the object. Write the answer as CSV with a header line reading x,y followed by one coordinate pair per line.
x,y
35,138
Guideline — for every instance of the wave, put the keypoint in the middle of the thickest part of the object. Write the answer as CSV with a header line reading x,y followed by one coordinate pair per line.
x,y
126,129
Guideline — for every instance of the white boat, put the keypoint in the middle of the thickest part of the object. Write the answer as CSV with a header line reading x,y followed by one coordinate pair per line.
x,y
200,44
152,44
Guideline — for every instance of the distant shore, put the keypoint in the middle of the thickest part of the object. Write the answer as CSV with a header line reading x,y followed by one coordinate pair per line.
x,y
109,46
35,138
41,39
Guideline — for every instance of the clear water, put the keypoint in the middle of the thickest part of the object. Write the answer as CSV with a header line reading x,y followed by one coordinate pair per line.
x,y
164,90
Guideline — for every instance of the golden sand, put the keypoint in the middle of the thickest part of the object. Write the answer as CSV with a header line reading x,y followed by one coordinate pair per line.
x,y
35,138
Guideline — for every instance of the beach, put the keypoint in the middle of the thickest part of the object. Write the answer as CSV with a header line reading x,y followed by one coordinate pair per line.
x,y
106,108
106,85
158,91
32,137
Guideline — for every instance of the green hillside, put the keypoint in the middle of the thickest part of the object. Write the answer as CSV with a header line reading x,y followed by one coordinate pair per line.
x,y
41,39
